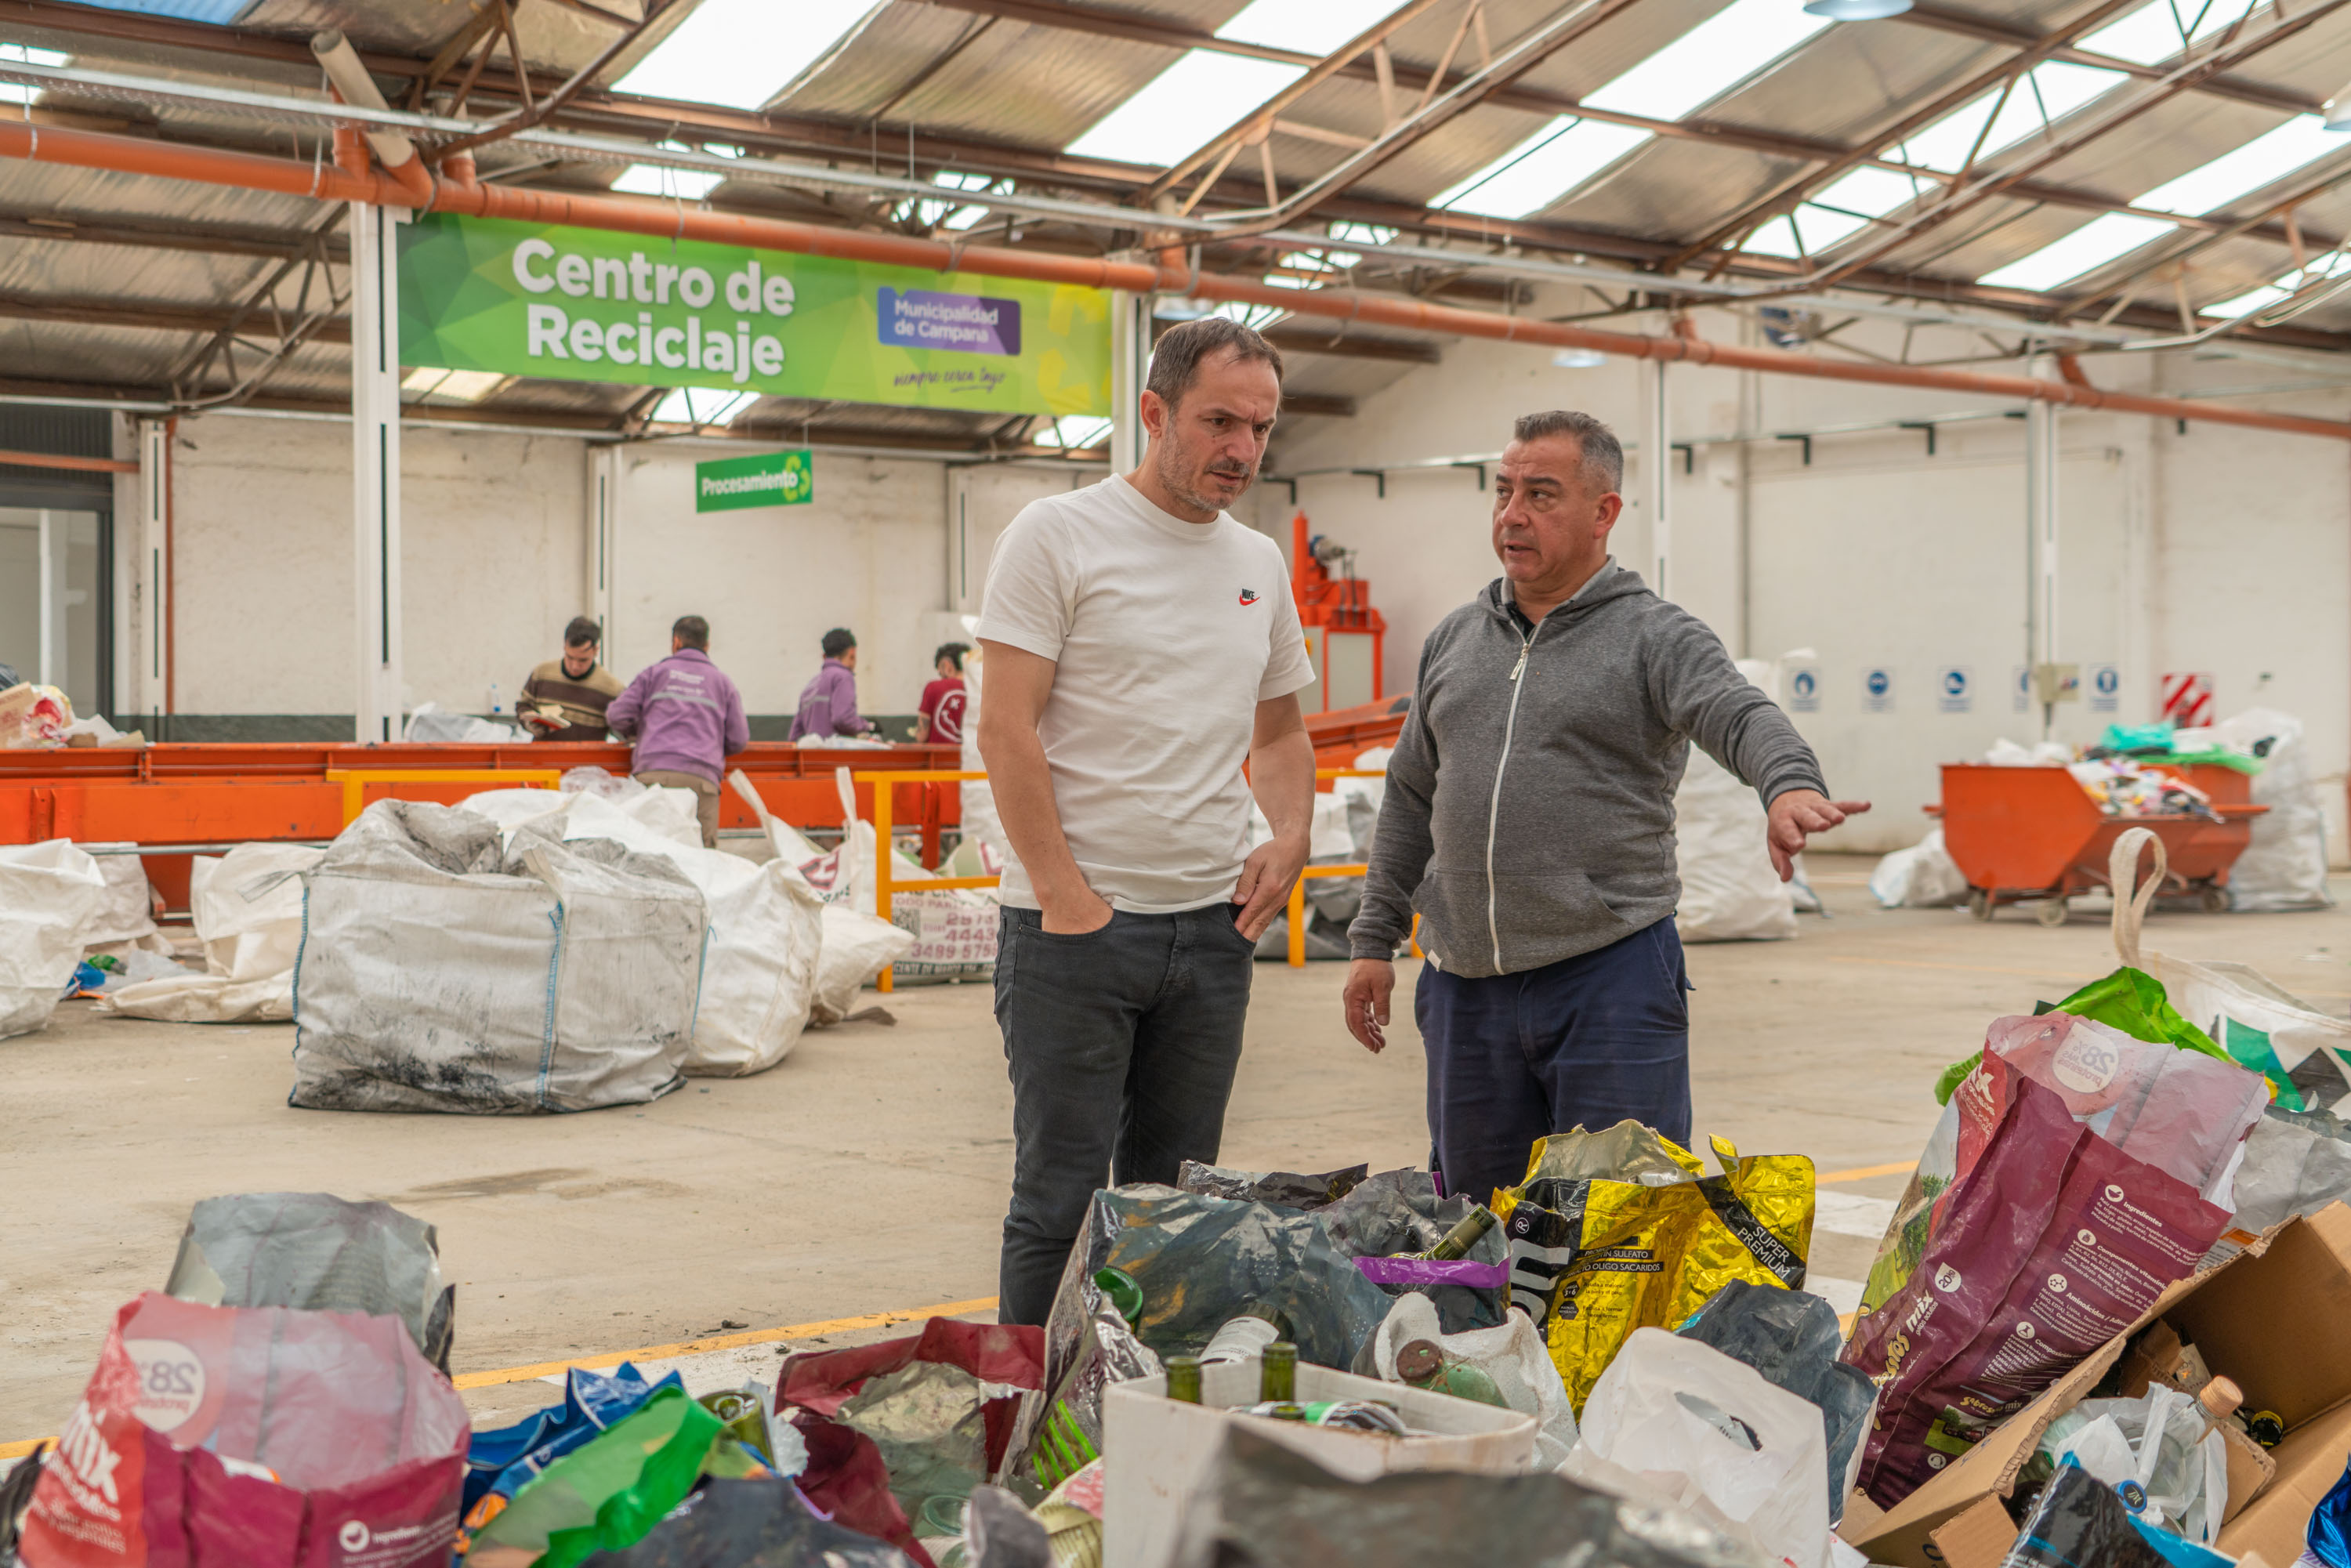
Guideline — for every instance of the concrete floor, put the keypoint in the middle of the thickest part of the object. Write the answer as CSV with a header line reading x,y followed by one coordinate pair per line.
x,y
867,1174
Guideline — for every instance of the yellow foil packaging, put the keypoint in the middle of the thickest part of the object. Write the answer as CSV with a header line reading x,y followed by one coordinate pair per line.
x,y
1619,1230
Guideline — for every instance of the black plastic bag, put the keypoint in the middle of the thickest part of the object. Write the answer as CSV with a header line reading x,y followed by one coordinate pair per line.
x,y
319,1253
1793,1340
2079,1523
1399,1211
1287,1188
1265,1506
750,1524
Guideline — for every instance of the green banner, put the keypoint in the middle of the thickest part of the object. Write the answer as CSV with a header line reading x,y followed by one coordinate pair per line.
x,y
762,479
586,305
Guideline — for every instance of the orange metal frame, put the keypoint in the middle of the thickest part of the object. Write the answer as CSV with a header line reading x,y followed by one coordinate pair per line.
x,y
885,820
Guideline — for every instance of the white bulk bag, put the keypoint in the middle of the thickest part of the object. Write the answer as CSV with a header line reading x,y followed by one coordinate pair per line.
x,y
1730,891
50,892
1923,876
248,908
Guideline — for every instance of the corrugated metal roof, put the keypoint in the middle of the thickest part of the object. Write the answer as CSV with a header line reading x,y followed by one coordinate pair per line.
x,y
942,70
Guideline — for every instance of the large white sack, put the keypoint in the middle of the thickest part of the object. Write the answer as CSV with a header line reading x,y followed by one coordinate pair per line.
x,y
443,969
2284,866
953,930
50,892
981,825
248,909
1923,876
760,971
666,813
1677,1418
857,947
126,910
1730,891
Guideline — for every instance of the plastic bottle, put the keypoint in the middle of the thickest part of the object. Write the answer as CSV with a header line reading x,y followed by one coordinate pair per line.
x,y
1423,1364
1184,1379
1278,1379
495,705
1244,1338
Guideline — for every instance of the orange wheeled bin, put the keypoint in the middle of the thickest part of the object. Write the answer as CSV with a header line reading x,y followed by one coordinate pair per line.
x,y
2019,834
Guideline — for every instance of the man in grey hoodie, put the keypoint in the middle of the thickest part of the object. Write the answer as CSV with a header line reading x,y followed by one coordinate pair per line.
x,y
1528,819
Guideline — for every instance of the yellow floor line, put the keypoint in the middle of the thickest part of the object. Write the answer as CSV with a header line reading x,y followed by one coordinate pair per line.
x,y
18,1449
1899,1167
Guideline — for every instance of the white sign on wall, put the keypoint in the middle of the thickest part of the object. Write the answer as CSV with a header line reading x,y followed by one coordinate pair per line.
x,y
1877,689
1955,688
1804,689
2105,683
2021,694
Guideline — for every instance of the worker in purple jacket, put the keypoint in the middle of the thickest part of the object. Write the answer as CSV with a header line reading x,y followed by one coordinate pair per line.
x,y
684,716
829,701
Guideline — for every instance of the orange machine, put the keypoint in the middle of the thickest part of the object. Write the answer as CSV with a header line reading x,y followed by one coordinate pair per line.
x,y
1344,632
187,799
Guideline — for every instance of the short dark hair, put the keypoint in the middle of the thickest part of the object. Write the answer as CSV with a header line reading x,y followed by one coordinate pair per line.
x,y
839,640
1175,358
583,628
1602,455
692,631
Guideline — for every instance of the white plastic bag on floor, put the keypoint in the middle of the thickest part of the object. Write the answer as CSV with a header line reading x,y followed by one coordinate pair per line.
x,y
248,908
1513,1355
857,947
1923,876
50,892
2284,866
952,931
1679,1419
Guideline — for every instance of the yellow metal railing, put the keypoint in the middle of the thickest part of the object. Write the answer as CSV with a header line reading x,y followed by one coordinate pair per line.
x,y
1298,889
355,781
884,885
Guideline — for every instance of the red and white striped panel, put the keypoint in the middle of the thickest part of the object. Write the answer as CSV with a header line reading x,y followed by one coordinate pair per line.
x,y
2188,699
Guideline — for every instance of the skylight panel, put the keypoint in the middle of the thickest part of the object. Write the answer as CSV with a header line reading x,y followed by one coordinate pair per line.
x,y
214,11
741,53
1309,27
1073,430
660,180
702,405
2053,87
428,382
1544,167
2268,293
2151,35
1709,59
1181,107
2263,160
2095,244
24,54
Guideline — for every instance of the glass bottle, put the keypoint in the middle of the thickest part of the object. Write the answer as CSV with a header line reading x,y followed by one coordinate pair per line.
x,y
1245,1337
1464,1236
1423,1364
1125,1297
1184,1379
1278,1379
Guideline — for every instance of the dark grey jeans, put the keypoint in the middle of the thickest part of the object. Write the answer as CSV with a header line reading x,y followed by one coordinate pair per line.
x,y
1123,1044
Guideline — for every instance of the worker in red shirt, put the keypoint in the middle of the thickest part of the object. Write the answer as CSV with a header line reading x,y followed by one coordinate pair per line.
x,y
940,717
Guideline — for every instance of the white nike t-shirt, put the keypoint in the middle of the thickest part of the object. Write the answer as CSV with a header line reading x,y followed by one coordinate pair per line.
x,y
1167,635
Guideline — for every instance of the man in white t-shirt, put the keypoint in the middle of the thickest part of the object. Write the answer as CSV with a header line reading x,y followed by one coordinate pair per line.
x,y
1140,646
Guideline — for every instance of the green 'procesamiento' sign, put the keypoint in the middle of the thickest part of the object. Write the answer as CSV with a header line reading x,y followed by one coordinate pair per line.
x,y
571,304
762,479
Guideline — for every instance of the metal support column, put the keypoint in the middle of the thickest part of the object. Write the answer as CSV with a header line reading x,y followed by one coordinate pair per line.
x,y
603,538
1130,363
153,554
375,469
2041,521
1657,474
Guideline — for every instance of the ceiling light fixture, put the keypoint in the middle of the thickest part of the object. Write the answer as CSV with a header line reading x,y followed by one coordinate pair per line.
x,y
1857,10
2336,110
1579,359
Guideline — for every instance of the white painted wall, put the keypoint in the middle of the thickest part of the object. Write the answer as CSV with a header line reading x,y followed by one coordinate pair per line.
x,y
2226,551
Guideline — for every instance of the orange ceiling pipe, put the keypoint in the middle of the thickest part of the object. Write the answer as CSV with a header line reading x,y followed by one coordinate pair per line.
x,y
412,186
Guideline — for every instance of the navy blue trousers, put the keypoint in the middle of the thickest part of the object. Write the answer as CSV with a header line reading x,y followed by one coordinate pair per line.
x,y
1587,1041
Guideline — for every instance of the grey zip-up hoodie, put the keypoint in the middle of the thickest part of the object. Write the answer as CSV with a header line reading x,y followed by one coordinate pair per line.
x,y
1529,815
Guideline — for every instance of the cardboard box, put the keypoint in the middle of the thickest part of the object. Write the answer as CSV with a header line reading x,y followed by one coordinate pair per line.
x,y
2269,1319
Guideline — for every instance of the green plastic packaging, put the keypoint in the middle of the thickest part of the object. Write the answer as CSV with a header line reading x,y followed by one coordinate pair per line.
x,y
608,1493
2128,999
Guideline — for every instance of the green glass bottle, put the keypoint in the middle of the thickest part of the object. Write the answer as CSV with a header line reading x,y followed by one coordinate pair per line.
x,y
1278,1382
1119,1289
1464,1236
1423,1364
1184,1379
